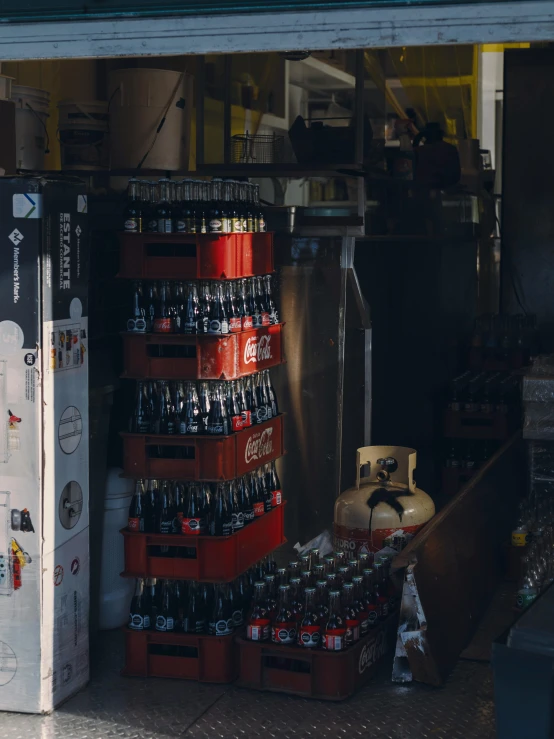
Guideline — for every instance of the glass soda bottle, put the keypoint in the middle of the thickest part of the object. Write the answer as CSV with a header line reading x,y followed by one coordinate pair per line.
x,y
283,629
309,630
165,620
194,618
221,518
334,630
163,210
136,509
221,622
139,613
258,622
133,210
369,597
194,520
359,605
350,615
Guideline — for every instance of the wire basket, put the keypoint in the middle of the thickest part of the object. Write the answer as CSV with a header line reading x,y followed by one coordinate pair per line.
x,y
259,149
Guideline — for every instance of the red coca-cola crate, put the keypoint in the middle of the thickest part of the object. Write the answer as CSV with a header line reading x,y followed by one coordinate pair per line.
x,y
207,457
195,256
314,673
208,659
216,357
208,558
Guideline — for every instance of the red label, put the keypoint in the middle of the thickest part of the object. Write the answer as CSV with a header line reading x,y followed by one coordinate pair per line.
x,y
258,630
354,541
284,633
276,498
353,625
247,322
309,636
333,640
133,524
266,319
235,324
247,418
259,509
192,526
237,423
162,325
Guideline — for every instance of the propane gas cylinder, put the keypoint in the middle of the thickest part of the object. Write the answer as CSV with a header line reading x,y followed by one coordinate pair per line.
x,y
384,505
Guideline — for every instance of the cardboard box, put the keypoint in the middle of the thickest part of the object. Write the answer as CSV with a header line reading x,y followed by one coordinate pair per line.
x,y
44,567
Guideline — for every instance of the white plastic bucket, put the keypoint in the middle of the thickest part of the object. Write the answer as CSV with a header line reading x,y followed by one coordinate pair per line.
x,y
83,130
115,591
139,100
31,113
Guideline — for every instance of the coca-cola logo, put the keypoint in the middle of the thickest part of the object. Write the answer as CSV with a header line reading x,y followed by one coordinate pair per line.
x,y
257,349
259,445
372,652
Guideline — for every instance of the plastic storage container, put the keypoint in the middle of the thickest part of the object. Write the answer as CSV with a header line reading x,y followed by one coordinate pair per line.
x,y
216,357
214,558
191,257
32,107
209,457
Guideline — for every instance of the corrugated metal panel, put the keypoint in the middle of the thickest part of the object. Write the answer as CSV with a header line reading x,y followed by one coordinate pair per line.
x,y
34,10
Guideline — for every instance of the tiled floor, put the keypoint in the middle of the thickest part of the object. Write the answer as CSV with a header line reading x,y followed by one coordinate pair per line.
x,y
131,708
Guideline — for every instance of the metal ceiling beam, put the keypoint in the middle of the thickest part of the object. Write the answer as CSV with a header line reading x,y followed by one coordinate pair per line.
x,y
486,22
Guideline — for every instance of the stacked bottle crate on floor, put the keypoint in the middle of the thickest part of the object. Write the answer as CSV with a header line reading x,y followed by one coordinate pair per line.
x,y
202,441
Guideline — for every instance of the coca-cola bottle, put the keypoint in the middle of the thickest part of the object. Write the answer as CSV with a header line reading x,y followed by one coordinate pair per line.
x,y
221,621
261,402
141,423
194,520
282,577
242,599
270,393
190,421
246,305
240,396
204,306
256,306
381,588
359,604
258,500
237,515
221,516
150,307
177,309
194,619
283,629
180,496
204,404
274,485
296,602
218,421
266,493
167,515
191,313
215,222
139,613
350,614
251,399
151,599
167,613
137,322
219,322
321,600
136,509
263,309
269,301
164,211
245,500
233,408
233,309
132,218
334,629
151,505
258,621
165,421
271,595
163,323
309,630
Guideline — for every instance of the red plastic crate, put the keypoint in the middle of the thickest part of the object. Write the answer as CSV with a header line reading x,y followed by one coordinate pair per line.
x,y
218,558
477,425
195,257
215,457
315,673
217,357
213,659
